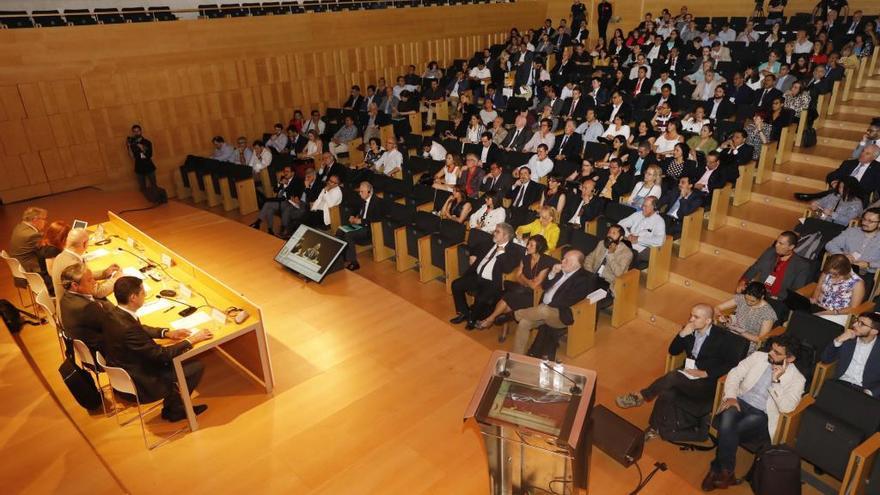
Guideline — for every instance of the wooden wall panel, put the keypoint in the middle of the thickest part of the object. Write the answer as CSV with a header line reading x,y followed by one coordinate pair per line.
x,y
66,108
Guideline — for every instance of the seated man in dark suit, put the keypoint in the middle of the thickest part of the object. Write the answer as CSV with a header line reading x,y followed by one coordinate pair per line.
x,y
712,176
304,193
735,151
780,269
576,214
518,136
566,284
865,169
857,355
719,107
484,277
568,146
708,360
489,151
640,160
129,345
25,242
81,313
524,192
284,190
496,182
680,202
372,209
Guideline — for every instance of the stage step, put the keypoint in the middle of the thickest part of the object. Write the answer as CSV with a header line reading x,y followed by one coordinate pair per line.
x,y
708,274
669,305
734,243
857,107
802,174
763,219
781,194
839,121
806,155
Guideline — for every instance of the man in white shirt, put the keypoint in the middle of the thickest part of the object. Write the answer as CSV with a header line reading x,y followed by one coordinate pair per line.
x,y
391,161
74,250
663,80
488,113
857,354
433,150
278,140
330,197
261,158
540,164
543,136
726,34
591,128
802,44
314,123
645,229
480,72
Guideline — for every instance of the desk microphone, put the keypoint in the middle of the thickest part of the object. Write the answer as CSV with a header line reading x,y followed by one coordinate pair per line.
x,y
190,309
575,389
149,263
504,371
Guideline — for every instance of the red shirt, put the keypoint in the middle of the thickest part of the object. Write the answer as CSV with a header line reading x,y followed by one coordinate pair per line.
x,y
778,272
468,185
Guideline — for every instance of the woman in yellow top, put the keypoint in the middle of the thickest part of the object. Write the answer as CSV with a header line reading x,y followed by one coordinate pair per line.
x,y
544,225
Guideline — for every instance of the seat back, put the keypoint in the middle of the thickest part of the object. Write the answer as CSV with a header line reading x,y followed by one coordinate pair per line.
x,y
595,151
14,265
36,282
583,241
120,380
426,222
815,334
451,231
401,214
45,300
615,212
83,353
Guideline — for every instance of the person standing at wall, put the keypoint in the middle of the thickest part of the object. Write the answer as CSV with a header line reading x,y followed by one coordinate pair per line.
x,y
141,150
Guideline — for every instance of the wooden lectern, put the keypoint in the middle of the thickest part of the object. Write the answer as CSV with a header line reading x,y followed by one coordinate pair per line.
x,y
534,418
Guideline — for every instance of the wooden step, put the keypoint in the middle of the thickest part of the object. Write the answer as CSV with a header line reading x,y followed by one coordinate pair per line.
x,y
855,107
669,305
738,245
872,83
834,123
803,174
805,155
711,275
781,194
763,219
839,143
862,94
850,136
847,120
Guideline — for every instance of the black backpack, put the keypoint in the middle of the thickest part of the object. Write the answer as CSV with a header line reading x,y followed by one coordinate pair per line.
x,y
11,316
79,381
809,139
776,471
676,423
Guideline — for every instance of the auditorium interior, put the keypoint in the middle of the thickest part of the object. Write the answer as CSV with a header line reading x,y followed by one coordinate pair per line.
x,y
359,383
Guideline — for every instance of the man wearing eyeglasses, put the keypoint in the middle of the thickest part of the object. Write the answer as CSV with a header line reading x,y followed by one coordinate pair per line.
x,y
25,242
857,355
861,246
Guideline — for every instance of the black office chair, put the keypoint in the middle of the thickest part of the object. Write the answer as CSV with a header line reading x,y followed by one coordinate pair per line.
x,y
16,22
136,14
424,223
254,8
79,17
398,216
595,151
162,13
233,10
815,334
449,234
45,18
109,16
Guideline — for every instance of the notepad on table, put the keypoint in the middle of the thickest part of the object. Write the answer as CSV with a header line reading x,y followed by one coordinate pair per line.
x,y
191,321
153,306
97,253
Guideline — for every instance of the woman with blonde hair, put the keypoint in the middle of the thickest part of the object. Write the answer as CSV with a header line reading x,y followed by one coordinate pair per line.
x,y
546,225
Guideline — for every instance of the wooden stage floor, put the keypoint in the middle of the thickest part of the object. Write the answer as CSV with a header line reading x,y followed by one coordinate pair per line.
x,y
370,385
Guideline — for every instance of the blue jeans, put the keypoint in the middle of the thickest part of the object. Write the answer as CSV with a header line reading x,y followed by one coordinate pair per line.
x,y
732,426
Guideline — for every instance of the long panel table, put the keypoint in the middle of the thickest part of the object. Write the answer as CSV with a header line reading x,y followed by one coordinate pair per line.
x,y
243,344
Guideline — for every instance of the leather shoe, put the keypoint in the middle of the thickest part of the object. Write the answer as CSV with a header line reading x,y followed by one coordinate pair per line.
x,y
459,318
708,483
181,415
353,266
256,225
724,479
804,196
471,324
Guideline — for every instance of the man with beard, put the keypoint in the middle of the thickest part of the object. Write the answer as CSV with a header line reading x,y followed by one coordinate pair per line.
x,y
860,245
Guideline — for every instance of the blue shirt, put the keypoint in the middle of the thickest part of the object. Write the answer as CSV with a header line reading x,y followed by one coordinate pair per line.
x,y
757,395
699,338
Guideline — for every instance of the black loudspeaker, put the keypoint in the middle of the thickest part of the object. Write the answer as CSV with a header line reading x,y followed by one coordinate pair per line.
x,y
617,437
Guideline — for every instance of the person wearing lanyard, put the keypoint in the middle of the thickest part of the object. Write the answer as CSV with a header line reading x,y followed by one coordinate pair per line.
x,y
780,269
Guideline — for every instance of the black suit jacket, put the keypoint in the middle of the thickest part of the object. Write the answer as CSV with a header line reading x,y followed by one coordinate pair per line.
x,y
83,319
531,194
719,178
354,103
716,357
521,140
381,119
504,264
870,179
763,100
572,149
501,185
492,156
375,211
592,209
312,192
743,95
686,207
579,111
130,345
725,108
844,354
571,292
743,155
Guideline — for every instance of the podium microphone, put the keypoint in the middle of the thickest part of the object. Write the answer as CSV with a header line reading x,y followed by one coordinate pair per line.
x,y
575,389
190,309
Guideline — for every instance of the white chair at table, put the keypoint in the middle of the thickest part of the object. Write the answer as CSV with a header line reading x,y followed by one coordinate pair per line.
x,y
121,382
84,354
45,302
17,274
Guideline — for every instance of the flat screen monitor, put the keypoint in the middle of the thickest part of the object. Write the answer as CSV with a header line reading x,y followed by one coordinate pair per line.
x,y
311,253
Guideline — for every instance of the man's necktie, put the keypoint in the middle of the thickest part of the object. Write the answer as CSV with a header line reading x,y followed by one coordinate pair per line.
x,y
485,261
519,195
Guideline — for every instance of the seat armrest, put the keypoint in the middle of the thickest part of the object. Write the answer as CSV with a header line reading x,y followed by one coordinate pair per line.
x,y
674,362
789,423
860,466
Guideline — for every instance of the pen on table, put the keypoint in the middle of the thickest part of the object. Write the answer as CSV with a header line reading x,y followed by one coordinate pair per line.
x,y
169,309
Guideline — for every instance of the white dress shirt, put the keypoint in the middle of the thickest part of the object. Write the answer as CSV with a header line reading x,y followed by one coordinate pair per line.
x,y
859,171
277,141
326,200
539,168
388,162
704,180
436,153
537,139
651,231
487,264
856,369
261,161
492,218
548,295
